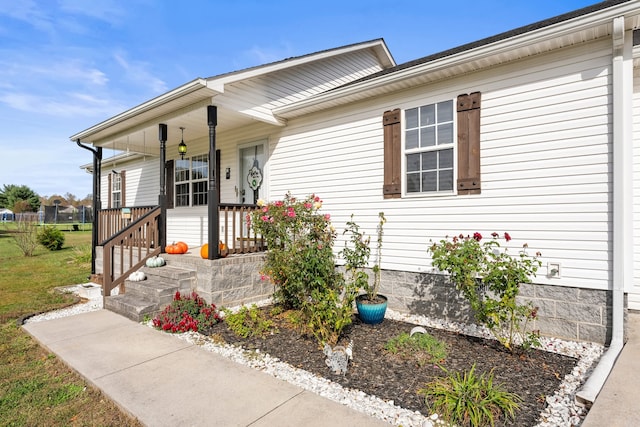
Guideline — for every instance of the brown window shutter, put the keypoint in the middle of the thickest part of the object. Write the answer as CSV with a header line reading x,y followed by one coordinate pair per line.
x,y
169,182
392,188
123,188
469,143
109,191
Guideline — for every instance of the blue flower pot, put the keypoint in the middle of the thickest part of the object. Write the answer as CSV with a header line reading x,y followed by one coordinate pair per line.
x,y
371,312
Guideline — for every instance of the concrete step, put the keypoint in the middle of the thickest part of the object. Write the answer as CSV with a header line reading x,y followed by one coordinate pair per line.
x,y
151,290
131,307
148,297
183,278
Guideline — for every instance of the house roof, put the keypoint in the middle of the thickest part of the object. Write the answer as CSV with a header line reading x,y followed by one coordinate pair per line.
x,y
238,95
579,26
282,90
496,38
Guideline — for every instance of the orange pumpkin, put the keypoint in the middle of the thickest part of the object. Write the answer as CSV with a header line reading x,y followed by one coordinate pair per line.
x,y
183,246
204,250
177,248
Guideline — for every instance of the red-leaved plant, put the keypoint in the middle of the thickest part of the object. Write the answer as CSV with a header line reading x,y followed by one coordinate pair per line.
x,y
187,313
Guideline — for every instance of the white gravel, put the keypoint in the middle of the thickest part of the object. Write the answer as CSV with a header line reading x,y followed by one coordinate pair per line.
x,y
561,410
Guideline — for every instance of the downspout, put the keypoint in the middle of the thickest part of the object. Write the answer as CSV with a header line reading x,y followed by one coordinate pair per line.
x,y
97,204
622,74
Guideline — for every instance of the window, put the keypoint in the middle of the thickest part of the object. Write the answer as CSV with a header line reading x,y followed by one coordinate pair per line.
x,y
192,181
116,191
430,140
428,143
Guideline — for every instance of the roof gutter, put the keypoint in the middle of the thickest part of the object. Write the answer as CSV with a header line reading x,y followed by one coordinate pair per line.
x,y
490,49
622,73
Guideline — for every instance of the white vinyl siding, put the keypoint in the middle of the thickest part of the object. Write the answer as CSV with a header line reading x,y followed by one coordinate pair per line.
x,y
545,166
142,182
634,293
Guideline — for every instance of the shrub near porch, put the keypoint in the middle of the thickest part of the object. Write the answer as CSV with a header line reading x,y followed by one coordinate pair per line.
x,y
301,264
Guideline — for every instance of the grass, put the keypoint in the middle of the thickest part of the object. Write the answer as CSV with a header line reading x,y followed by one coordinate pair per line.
x,y
422,347
36,388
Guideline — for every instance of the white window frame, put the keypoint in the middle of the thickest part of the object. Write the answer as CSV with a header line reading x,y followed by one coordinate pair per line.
x,y
419,150
116,190
194,198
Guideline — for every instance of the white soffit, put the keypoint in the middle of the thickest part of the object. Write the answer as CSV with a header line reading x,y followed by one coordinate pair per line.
x,y
557,36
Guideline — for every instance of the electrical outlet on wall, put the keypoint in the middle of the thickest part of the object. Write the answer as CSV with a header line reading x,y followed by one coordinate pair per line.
x,y
554,270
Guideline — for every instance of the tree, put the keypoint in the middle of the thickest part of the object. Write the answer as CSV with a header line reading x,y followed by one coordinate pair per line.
x,y
71,199
11,196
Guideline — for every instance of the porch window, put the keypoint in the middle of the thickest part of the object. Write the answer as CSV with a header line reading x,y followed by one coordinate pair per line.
x,y
191,181
116,191
428,143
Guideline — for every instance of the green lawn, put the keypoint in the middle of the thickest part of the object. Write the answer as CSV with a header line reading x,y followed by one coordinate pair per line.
x,y
36,388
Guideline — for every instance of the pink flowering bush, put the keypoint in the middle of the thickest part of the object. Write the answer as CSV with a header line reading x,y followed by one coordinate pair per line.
x,y
300,248
490,279
187,313
301,264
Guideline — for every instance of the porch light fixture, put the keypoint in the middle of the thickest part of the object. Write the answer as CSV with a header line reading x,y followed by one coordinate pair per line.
x,y
182,148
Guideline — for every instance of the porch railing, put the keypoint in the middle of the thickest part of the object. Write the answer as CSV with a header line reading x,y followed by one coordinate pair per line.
x,y
234,231
128,249
127,243
111,221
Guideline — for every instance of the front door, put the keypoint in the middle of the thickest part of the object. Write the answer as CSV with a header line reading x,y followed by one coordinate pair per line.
x,y
252,160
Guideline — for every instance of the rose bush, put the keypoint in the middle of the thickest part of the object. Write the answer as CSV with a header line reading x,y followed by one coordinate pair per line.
x,y
490,279
301,264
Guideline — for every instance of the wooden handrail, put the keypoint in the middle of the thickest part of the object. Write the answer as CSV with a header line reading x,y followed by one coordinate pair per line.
x,y
136,243
132,244
111,221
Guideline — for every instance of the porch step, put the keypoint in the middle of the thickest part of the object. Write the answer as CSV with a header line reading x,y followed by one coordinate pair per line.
x,y
132,307
149,297
151,290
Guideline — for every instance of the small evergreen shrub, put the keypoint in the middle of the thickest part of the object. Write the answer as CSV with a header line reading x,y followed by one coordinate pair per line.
x,y
51,238
470,400
187,313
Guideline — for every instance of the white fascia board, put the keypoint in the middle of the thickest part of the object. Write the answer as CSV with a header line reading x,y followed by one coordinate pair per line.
x,y
183,90
574,25
380,48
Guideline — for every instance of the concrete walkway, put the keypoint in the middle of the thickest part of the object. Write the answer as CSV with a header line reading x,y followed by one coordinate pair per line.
x,y
617,404
164,381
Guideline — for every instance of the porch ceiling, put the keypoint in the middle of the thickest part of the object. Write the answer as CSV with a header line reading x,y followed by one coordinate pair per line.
x,y
143,137
136,130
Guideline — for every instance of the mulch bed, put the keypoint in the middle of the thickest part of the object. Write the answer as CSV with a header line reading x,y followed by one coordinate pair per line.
x,y
532,375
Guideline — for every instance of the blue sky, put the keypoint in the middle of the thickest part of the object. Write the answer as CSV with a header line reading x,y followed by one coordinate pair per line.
x,y
66,65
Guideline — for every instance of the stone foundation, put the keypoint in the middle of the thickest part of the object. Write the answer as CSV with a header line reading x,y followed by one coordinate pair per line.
x,y
563,312
568,313
226,282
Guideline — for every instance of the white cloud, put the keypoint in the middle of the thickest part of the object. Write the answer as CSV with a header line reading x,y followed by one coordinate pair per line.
x,y
138,72
261,55
70,105
50,69
28,11
104,10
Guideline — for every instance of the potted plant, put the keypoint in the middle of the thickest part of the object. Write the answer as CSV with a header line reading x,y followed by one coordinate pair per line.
x,y
371,306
